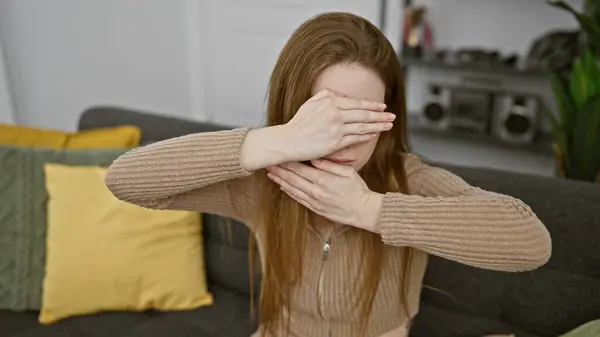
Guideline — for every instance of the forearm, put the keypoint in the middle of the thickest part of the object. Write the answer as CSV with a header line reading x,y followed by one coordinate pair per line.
x,y
169,168
444,216
265,147
486,231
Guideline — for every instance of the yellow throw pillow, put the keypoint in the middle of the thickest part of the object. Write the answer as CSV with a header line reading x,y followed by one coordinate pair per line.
x,y
125,136
107,255
116,137
31,137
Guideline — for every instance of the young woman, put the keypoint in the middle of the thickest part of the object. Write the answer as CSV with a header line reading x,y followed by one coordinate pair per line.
x,y
344,216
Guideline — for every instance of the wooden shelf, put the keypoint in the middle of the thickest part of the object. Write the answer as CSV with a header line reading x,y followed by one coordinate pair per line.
x,y
497,70
542,144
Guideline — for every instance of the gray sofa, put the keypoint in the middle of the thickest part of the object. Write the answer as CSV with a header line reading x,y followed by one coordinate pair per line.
x,y
469,302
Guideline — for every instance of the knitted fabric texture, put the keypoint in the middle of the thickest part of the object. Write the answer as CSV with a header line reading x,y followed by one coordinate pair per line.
x,y
441,215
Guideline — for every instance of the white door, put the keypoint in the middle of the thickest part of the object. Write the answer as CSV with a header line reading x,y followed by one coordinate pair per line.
x,y
242,40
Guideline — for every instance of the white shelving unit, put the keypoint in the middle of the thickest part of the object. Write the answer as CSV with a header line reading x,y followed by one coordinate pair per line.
x,y
484,24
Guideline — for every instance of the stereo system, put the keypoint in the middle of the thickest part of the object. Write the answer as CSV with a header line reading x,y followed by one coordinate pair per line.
x,y
510,117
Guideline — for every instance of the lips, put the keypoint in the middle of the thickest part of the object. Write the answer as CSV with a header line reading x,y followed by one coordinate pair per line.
x,y
346,162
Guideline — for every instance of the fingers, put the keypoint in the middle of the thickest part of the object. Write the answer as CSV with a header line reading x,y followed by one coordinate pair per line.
x,y
305,171
366,116
366,128
288,187
348,103
283,176
331,167
294,193
355,139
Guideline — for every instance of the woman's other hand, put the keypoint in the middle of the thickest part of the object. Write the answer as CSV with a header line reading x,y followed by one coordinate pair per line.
x,y
333,191
329,122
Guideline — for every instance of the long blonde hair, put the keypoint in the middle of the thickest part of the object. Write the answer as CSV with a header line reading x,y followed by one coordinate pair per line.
x,y
319,43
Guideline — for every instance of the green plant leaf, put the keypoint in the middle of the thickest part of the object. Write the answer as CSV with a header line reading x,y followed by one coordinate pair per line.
x,y
559,139
578,86
562,5
584,154
557,131
576,127
588,23
591,72
563,122
556,126
588,66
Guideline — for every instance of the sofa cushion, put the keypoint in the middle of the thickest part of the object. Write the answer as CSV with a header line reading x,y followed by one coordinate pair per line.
x,y
549,301
106,254
153,127
226,254
23,217
113,137
433,321
225,240
229,316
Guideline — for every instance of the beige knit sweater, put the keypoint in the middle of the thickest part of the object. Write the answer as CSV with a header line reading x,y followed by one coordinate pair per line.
x,y
442,215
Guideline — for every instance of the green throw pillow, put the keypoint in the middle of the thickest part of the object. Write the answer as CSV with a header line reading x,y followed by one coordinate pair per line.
x,y
23,218
590,329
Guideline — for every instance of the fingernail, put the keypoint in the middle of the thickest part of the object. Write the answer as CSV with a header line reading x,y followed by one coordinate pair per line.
x,y
382,105
392,116
389,125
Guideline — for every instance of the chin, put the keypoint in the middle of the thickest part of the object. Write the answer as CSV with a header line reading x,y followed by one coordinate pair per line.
x,y
358,166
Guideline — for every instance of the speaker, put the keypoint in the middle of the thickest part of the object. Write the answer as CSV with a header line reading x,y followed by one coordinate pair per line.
x,y
471,110
516,118
436,109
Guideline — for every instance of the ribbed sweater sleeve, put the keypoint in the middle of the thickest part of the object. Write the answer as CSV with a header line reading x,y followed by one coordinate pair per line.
x,y
445,216
199,172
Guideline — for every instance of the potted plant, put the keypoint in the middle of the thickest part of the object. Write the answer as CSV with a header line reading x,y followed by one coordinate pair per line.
x,y
576,124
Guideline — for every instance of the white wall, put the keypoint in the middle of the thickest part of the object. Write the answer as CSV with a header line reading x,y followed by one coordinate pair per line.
x,y
203,59
242,42
6,105
507,25
65,55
